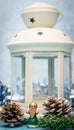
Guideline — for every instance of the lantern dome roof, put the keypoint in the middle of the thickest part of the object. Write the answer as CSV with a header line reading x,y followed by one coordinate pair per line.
x,y
40,15
40,18
41,35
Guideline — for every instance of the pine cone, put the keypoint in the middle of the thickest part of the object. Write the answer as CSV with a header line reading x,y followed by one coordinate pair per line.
x,y
12,114
56,106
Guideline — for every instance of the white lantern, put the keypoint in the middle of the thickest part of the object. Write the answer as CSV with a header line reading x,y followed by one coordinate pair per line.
x,y
38,56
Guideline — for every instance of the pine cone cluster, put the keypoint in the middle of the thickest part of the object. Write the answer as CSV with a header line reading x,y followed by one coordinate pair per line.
x,y
12,114
56,106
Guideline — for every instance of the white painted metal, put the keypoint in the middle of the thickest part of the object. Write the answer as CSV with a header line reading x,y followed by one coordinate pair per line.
x,y
23,75
42,15
43,41
60,73
31,36
28,79
11,76
50,40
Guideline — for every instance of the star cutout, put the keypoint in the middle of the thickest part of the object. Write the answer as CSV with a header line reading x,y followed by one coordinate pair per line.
x,y
15,35
65,34
40,33
32,20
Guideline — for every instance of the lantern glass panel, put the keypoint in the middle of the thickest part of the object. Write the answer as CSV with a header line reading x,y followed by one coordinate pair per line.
x,y
67,77
18,79
55,77
41,76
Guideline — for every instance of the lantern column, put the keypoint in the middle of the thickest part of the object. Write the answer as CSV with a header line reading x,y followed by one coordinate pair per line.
x,y
28,78
70,75
23,76
60,72
11,77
